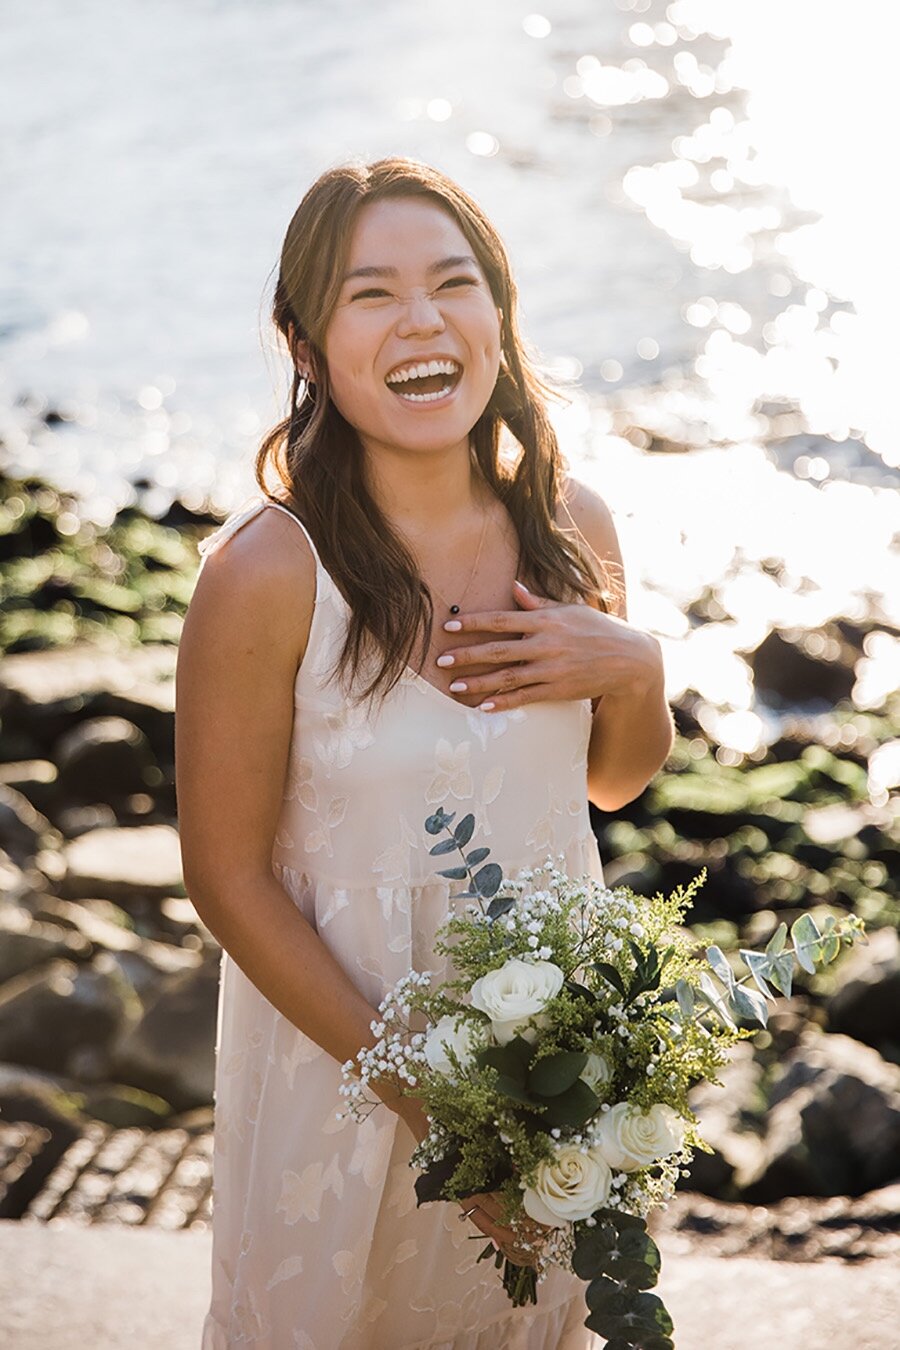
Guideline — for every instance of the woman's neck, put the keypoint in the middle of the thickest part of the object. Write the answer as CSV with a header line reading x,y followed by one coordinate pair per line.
x,y
431,497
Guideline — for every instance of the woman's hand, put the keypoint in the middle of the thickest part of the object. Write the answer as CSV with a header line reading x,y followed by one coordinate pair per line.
x,y
488,1216
551,651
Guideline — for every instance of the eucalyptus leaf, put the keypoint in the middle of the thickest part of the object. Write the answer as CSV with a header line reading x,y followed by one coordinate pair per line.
x,y
635,1317
748,1003
781,972
441,819
487,880
454,873
714,998
445,846
685,996
831,945
630,1256
759,966
464,830
776,942
719,963
476,856
805,936
553,1074
500,906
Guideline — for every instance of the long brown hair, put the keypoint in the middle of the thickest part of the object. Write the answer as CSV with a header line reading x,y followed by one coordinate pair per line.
x,y
317,455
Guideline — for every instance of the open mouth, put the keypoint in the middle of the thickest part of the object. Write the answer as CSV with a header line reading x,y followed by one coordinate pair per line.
x,y
424,381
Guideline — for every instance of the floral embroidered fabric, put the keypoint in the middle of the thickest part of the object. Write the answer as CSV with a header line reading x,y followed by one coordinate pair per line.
x,y
317,1240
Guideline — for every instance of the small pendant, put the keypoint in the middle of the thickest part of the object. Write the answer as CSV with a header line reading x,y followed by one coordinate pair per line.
x,y
454,609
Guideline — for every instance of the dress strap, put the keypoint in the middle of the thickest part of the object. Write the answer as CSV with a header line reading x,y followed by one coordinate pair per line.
x,y
247,512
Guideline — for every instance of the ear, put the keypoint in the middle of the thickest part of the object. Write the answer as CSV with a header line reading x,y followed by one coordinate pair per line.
x,y
301,354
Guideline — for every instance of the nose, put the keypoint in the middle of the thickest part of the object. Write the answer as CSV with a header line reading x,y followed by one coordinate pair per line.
x,y
420,315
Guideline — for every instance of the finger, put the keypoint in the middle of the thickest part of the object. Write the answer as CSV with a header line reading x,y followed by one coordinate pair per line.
x,y
530,693
493,682
495,621
530,599
480,654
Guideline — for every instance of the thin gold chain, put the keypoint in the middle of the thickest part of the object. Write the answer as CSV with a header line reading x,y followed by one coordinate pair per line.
x,y
454,609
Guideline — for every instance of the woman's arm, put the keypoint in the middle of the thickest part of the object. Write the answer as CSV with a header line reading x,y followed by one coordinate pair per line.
x,y
632,732
244,637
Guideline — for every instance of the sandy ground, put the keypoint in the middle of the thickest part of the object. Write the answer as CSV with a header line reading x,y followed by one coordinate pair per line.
x,y
63,1287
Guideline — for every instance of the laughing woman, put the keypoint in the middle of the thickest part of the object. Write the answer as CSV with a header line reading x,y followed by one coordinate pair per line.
x,y
360,650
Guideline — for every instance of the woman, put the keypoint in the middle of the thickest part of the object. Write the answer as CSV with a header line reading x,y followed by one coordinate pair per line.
x,y
359,651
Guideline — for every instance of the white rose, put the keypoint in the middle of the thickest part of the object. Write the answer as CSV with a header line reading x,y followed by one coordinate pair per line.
x,y
597,1071
464,1038
630,1138
568,1187
516,992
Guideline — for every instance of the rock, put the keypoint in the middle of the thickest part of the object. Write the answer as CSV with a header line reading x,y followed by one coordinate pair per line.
x,y
796,1229
795,666
105,926
42,1098
48,1016
106,759
729,1119
148,967
866,1004
833,1127
16,885
125,1107
171,1050
25,944
24,832
35,779
73,821
122,864
46,693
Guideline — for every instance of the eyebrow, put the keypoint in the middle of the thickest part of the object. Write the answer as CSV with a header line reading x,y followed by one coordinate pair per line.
x,y
431,269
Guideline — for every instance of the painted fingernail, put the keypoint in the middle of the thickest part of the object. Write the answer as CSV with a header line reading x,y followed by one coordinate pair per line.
x,y
483,707
453,625
445,660
458,687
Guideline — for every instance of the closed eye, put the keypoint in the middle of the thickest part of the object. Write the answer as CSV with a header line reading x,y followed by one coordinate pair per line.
x,y
377,292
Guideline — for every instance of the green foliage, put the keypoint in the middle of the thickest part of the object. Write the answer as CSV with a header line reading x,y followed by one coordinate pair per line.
x,y
621,1262
811,947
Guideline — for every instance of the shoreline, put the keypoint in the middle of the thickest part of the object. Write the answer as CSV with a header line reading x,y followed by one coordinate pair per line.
x,y
99,945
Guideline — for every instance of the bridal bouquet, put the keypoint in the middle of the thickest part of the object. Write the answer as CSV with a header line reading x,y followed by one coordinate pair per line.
x,y
555,1067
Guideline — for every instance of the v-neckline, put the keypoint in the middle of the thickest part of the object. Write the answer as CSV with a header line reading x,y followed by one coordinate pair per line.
x,y
416,678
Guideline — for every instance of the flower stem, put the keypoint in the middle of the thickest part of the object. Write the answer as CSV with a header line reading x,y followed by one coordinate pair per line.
x,y
520,1283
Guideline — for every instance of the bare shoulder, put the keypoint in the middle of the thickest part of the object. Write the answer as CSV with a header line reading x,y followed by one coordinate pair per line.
x,y
582,508
257,588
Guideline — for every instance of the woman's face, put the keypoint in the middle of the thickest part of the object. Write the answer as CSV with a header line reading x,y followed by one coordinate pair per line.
x,y
419,296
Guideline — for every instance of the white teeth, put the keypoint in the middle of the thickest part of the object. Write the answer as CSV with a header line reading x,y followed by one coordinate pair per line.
x,y
428,398
421,369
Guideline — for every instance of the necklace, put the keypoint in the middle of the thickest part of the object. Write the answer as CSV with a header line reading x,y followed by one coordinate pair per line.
x,y
454,609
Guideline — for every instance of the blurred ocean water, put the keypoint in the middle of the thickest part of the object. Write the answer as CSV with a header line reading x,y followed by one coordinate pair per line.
x,y
695,196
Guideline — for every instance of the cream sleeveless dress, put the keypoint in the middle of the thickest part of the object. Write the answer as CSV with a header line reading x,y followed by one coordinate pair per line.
x,y
317,1240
